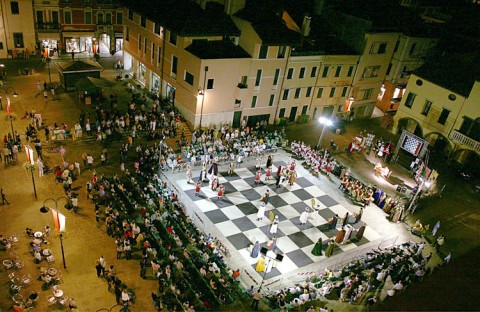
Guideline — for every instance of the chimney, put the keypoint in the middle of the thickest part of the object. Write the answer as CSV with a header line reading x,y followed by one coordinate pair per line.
x,y
307,20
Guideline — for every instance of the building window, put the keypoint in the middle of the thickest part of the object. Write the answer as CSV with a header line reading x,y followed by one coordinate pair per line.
x,y
367,94
67,17
145,45
412,49
153,52
127,34
325,71
313,73
108,18
258,78
426,107
119,20
338,71
319,93
244,81
1,45
210,83
344,91
304,109
309,92
297,92
410,99
281,114
99,18
290,73
371,71
378,48
173,38
130,15
262,54
174,64
88,17
156,28
18,40
396,46
188,78
143,21
285,94
443,116
350,71
302,73
14,7
140,42
272,100
275,78
332,92
389,69
159,54
281,51
254,101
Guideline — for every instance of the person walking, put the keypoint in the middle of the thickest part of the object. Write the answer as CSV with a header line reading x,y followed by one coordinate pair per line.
x,y
256,299
39,86
435,229
45,95
4,199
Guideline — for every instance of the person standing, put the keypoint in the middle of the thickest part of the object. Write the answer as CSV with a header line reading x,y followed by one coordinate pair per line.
x,y
266,197
274,227
256,300
45,95
39,86
435,229
40,167
90,162
98,267
4,199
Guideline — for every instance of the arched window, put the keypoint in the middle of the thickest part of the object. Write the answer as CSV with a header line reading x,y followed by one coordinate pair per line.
x,y
100,18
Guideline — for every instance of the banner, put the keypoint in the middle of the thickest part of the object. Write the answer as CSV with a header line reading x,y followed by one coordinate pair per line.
x,y
59,219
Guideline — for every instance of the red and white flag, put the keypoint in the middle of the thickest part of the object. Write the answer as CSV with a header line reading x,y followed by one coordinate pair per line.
x,y
59,220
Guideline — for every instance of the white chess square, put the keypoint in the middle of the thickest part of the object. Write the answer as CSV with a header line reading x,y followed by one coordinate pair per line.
x,y
228,228
232,212
287,227
206,205
286,266
340,210
184,185
256,235
370,234
288,211
243,173
240,185
236,198
245,252
314,234
290,198
286,245
314,190
316,219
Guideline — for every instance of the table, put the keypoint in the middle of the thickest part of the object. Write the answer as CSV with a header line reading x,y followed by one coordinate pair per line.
x,y
58,293
38,234
46,252
52,271
37,241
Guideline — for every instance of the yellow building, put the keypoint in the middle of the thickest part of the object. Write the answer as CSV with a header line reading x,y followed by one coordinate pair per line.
x,y
448,120
17,32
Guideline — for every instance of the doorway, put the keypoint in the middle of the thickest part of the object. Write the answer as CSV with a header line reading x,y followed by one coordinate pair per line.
x,y
170,93
237,117
293,114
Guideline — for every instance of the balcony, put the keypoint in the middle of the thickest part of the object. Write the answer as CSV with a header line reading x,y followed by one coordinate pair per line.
x,y
462,139
48,26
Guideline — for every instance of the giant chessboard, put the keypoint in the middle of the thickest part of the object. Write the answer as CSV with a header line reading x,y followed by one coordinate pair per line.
x,y
235,215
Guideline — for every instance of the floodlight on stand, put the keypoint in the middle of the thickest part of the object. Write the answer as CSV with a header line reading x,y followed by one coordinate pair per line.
x,y
44,209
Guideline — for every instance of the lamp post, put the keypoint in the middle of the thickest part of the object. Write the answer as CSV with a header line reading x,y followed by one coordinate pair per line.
x,y
58,219
202,93
420,188
9,109
325,123
30,166
264,252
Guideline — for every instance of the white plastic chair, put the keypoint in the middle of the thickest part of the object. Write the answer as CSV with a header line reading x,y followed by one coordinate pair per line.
x,y
52,300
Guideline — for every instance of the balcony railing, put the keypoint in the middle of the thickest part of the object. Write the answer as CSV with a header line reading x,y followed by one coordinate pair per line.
x,y
462,139
47,26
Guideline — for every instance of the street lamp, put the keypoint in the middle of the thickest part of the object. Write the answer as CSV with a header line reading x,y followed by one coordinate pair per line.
x,y
202,94
420,188
271,257
325,123
59,221
49,60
